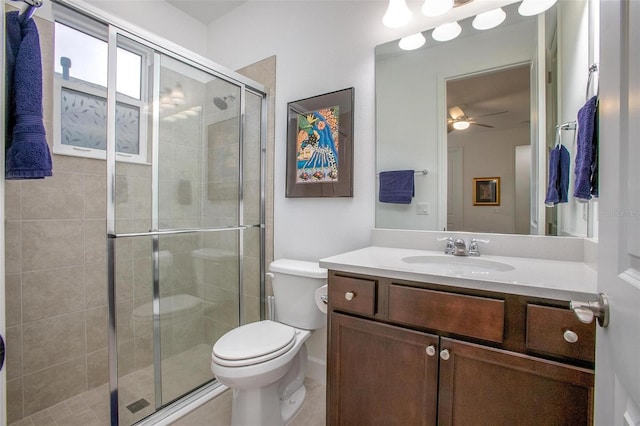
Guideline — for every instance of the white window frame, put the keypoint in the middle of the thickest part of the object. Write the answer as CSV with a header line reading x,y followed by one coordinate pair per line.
x,y
86,26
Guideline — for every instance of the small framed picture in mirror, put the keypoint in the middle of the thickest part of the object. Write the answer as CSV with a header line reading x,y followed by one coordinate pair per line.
x,y
320,146
486,191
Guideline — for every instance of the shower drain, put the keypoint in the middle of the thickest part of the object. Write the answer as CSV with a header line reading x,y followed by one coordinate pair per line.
x,y
138,405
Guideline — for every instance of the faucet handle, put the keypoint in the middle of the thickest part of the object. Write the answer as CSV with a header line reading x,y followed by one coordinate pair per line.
x,y
474,250
450,247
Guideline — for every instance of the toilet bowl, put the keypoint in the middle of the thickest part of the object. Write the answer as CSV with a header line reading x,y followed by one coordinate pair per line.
x,y
265,362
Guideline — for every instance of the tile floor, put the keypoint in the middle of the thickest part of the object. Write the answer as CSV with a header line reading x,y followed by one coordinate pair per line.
x,y
92,408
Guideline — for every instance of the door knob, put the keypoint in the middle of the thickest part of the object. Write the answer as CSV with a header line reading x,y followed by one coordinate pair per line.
x,y
586,311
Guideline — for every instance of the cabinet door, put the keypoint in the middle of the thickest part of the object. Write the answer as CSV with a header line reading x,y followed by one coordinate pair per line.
x,y
486,386
380,374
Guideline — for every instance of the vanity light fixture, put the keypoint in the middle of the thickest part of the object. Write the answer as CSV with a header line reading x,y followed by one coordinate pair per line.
x,y
534,7
446,32
461,124
488,20
436,7
397,15
412,42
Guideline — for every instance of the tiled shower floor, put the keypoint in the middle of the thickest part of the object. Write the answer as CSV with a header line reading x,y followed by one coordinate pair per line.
x,y
182,371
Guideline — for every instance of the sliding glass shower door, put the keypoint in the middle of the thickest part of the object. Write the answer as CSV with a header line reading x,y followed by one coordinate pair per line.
x,y
185,221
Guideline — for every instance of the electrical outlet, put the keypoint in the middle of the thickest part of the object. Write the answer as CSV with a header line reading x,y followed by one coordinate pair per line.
x,y
424,208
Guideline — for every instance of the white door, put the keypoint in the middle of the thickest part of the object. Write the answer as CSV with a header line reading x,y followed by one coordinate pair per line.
x,y
617,399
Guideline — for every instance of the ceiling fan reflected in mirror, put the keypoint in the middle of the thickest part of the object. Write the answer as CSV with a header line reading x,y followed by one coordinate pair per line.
x,y
459,120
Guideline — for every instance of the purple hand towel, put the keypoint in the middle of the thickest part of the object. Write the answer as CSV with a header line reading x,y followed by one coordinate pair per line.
x,y
558,187
397,187
587,149
27,152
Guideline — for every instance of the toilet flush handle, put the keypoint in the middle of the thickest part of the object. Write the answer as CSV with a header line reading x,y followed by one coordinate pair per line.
x,y
270,275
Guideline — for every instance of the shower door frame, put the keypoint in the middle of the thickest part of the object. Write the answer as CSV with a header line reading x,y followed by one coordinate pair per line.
x,y
208,391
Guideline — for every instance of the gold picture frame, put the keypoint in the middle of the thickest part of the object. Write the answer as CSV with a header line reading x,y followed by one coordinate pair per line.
x,y
486,191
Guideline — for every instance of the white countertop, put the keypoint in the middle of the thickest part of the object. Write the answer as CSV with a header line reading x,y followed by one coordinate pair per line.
x,y
553,279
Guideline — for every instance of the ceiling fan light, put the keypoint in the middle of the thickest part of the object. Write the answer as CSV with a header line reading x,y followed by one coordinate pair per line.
x,y
534,7
397,15
461,125
446,32
490,19
436,7
412,42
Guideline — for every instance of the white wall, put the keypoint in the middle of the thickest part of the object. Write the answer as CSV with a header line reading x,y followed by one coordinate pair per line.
x,y
160,18
409,128
320,48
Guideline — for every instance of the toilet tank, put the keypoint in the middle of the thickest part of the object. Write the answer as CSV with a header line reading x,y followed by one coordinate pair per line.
x,y
294,285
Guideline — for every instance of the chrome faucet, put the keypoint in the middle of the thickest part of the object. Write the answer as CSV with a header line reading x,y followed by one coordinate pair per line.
x,y
449,248
474,250
459,247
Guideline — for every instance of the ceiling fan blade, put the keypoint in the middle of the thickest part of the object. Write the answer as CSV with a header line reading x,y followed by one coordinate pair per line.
x,y
450,127
480,124
456,112
493,113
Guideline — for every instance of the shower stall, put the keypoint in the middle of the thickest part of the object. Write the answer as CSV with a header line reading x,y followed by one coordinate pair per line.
x,y
192,219
182,183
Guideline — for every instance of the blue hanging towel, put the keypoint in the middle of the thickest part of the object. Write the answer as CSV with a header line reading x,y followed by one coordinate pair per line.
x,y
27,152
558,187
586,184
397,186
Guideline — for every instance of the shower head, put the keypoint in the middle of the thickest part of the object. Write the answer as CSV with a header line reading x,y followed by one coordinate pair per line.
x,y
222,102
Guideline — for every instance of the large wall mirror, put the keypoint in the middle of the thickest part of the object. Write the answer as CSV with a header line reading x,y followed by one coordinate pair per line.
x,y
486,106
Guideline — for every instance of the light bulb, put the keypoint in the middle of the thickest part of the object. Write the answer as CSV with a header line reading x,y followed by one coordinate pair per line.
x,y
461,125
490,19
446,32
177,95
533,7
397,15
436,7
412,42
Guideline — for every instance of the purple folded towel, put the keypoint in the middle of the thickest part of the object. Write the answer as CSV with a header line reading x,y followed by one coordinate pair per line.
x,y
397,186
558,187
27,152
586,184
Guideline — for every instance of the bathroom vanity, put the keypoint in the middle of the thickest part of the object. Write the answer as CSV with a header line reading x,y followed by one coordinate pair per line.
x,y
449,341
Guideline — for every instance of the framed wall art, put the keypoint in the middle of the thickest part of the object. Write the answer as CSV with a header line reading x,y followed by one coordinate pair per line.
x,y
486,191
320,146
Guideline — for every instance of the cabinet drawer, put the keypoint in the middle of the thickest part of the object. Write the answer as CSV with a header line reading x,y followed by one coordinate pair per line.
x,y
352,295
472,316
546,329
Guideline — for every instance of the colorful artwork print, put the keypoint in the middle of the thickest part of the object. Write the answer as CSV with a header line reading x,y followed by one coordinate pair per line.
x,y
317,146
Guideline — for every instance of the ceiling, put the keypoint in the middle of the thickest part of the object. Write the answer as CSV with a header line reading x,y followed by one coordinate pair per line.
x,y
484,97
206,11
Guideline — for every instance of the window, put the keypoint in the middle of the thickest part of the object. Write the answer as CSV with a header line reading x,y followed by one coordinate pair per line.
x,y
80,93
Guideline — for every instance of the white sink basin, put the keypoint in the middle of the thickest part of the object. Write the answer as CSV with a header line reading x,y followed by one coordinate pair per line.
x,y
460,264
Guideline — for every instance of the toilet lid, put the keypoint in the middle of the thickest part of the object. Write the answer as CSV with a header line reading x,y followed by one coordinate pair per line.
x,y
255,342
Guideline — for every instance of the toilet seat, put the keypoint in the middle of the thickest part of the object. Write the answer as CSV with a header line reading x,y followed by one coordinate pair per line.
x,y
253,343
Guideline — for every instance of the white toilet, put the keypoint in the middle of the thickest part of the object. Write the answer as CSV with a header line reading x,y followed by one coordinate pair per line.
x,y
265,362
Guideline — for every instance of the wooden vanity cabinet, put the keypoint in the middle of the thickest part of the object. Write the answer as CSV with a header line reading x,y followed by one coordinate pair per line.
x,y
421,354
